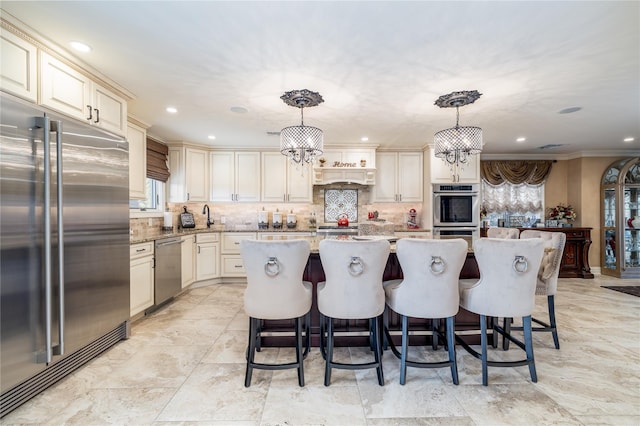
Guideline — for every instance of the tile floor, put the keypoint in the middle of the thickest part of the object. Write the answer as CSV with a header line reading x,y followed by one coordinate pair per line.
x,y
184,365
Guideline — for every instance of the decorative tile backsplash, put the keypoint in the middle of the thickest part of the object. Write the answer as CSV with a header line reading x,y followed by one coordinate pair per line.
x,y
339,201
246,214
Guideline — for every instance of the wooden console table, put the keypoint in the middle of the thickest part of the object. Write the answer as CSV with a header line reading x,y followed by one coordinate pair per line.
x,y
575,258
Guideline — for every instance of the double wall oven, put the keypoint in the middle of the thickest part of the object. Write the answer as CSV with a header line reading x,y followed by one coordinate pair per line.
x,y
456,211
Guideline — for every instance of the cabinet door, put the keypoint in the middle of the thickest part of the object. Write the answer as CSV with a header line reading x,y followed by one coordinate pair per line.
x,y
221,165
141,284
299,186
207,261
247,176
64,89
109,110
188,260
410,177
441,172
19,66
196,174
274,177
177,177
385,191
137,138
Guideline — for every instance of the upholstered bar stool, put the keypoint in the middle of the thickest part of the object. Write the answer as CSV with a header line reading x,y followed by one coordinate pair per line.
x,y
506,288
508,233
429,289
547,285
275,291
352,290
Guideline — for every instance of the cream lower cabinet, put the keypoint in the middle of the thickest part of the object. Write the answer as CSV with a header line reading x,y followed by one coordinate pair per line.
x,y
207,256
141,277
399,177
230,258
188,270
66,90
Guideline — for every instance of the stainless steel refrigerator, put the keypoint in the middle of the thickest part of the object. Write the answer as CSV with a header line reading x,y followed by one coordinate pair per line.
x,y
64,239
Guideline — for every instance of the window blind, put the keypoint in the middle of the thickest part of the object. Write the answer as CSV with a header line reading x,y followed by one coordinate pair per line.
x,y
157,164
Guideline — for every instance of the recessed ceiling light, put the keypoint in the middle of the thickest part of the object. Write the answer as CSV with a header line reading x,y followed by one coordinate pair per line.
x,y
364,139
80,47
211,137
239,110
521,139
629,139
172,110
569,110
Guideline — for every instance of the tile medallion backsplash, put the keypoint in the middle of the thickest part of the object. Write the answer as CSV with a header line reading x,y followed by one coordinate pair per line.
x,y
338,201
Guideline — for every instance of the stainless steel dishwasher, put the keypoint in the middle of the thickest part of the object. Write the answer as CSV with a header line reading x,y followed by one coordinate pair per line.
x,y
168,279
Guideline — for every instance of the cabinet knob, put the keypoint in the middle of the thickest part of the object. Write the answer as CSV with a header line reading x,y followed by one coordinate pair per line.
x,y
90,117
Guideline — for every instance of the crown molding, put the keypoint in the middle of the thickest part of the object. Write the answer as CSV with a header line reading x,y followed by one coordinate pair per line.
x,y
13,25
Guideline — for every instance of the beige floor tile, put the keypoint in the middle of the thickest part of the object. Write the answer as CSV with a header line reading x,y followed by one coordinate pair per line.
x,y
185,363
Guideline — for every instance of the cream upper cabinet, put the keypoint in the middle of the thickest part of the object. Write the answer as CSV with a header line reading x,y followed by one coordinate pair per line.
x,y
399,177
283,182
18,67
196,174
137,138
73,93
189,174
235,176
441,172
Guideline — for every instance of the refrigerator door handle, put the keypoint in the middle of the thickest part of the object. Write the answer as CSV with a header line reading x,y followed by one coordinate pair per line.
x,y
44,123
56,126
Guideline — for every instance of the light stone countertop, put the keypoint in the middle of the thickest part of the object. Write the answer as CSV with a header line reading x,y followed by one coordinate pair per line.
x,y
158,233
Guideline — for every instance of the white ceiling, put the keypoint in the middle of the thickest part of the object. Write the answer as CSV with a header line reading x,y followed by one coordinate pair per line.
x,y
379,66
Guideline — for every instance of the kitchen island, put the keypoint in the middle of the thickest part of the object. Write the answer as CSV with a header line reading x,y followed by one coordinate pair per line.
x,y
357,329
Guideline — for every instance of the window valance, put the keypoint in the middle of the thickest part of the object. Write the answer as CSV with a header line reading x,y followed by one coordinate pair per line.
x,y
515,172
157,160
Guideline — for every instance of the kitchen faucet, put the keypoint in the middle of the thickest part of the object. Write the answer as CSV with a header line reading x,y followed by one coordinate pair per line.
x,y
209,221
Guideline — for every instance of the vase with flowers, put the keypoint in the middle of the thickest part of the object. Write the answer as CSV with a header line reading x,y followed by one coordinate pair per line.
x,y
561,213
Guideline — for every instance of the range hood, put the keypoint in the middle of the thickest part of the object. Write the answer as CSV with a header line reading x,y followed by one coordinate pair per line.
x,y
329,175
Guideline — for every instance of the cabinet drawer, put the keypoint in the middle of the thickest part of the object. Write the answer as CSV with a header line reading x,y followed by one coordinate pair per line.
x,y
140,250
231,241
232,266
212,237
575,234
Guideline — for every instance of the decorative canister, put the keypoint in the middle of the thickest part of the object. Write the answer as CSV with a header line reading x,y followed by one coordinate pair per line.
x,y
291,220
263,219
277,219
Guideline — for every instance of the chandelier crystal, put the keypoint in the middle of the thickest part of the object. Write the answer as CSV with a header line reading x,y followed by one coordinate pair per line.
x,y
456,145
301,144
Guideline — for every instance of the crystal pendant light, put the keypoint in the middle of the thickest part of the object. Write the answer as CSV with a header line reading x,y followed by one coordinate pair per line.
x,y
302,144
456,145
